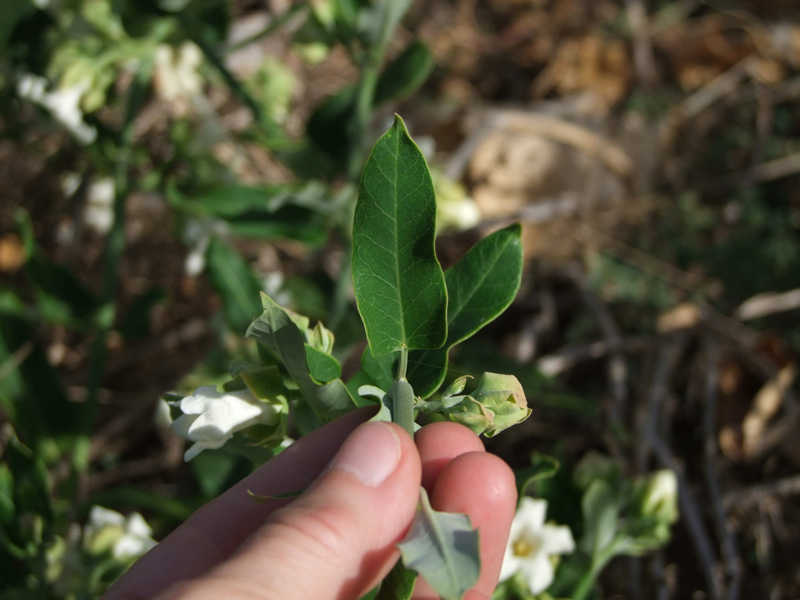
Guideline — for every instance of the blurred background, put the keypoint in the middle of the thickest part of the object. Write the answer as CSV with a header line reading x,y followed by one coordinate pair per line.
x,y
162,161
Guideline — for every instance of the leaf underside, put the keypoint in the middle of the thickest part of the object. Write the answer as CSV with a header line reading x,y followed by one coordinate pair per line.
x,y
443,548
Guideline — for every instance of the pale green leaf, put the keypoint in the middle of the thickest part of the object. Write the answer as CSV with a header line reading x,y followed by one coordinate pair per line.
x,y
443,548
276,330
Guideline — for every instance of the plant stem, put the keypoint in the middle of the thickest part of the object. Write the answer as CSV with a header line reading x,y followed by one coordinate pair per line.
x,y
114,249
402,395
402,366
363,112
599,561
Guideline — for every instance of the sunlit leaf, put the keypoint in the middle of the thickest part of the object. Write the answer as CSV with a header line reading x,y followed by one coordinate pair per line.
x,y
399,284
479,288
276,330
405,74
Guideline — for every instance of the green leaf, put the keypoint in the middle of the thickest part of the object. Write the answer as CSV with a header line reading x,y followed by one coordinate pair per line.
x,y
443,548
13,14
479,288
323,367
136,323
398,584
381,370
276,330
542,467
264,212
32,485
405,74
399,284
233,279
329,125
377,22
600,508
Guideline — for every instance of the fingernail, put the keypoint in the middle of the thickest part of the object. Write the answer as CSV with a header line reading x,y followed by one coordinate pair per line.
x,y
370,454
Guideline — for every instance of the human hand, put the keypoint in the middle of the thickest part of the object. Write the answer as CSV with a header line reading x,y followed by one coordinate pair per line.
x,y
337,540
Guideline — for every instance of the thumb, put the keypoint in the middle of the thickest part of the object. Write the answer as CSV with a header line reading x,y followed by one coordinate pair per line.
x,y
338,539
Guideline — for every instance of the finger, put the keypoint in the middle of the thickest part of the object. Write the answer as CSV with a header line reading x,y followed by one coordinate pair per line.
x,y
338,539
438,444
482,486
217,529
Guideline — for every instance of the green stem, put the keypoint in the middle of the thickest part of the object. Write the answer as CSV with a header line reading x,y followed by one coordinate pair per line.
x,y
599,561
402,395
402,366
403,405
269,29
363,113
114,249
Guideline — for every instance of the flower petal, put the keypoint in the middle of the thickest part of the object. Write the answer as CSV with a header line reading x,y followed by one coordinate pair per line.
x,y
537,571
531,513
511,563
557,539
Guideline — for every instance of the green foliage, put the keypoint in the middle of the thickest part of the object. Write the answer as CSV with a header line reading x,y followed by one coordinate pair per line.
x,y
479,288
275,329
398,282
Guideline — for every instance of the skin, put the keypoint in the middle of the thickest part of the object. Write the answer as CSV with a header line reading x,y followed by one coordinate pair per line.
x,y
337,540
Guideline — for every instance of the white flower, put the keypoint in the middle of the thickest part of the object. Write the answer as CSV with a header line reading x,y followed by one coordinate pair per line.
x,y
175,73
63,104
99,214
532,543
210,418
127,538
197,236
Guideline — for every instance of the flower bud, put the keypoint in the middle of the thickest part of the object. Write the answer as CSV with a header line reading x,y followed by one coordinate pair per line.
x,y
496,404
504,397
658,497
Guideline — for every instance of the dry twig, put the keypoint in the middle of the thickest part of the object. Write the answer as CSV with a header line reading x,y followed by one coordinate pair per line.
x,y
691,516
764,305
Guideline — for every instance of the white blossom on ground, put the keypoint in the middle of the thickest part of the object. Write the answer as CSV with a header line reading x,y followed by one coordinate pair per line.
x,y
126,537
533,544
210,418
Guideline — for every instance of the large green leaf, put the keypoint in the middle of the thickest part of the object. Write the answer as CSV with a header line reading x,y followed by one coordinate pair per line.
x,y
329,124
399,284
479,288
377,22
405,74
235,282
276,330
443,548
297,212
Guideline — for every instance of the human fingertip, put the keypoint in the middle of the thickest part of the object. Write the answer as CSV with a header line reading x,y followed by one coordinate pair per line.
x,y
370,454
